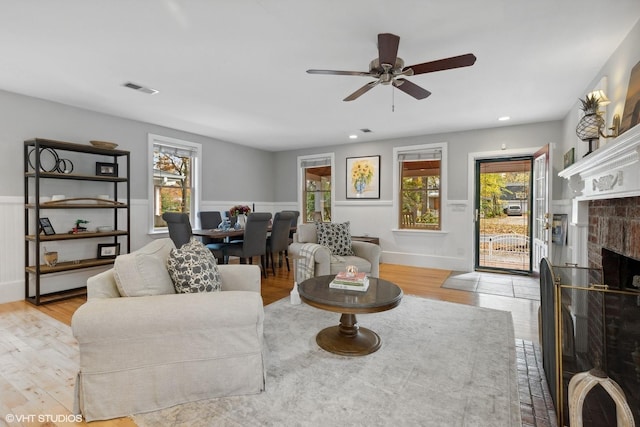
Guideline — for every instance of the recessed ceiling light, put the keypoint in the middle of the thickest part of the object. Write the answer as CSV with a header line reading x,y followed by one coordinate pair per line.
x,y
504,118
353,136
140,88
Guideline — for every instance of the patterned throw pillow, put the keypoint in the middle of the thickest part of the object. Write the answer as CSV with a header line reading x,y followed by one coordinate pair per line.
x,y
193,268
337,237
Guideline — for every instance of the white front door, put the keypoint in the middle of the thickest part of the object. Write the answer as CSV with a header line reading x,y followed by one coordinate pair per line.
x,y
541,206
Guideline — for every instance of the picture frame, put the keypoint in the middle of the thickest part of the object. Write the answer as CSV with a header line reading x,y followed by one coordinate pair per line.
x,y
631,113
559,228
363,177
106,169
569,157
46,227
108,250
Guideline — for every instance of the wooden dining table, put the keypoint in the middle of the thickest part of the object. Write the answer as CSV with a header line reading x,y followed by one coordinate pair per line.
x,y
217,233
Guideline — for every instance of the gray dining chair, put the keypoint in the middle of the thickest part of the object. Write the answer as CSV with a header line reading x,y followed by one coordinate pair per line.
x,y
294,221
278,241
210,220
179,227
254,241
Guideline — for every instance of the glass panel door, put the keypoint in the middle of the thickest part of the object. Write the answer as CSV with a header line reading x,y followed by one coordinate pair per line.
x,y
503,226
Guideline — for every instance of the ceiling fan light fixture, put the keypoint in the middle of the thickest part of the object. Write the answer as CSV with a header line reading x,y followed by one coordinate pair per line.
x,y
389,69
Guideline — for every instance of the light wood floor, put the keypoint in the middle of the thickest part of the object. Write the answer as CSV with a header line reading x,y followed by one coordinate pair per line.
x,y
413,281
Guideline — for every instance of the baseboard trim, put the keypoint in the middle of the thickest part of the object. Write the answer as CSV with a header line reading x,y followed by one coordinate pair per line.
x,y
424,260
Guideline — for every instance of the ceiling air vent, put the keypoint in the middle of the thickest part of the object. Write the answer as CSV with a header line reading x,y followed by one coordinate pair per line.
x,y
137,87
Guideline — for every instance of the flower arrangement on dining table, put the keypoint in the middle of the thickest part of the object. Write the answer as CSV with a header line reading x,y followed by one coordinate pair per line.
x,y
239,209
361,174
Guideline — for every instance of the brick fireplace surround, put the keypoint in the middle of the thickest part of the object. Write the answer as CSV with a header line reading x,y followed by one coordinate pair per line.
x,y
613,224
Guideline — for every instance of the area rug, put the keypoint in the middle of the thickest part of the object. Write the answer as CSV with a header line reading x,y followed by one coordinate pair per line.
x,y
440,364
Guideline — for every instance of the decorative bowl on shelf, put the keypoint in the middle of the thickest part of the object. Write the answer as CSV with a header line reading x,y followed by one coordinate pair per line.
x,y
104,144
104,229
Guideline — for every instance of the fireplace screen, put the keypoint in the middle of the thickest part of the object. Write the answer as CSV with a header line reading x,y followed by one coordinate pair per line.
x,y
595,326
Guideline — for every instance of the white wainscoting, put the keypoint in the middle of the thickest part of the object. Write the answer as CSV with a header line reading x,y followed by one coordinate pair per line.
x,y
450,249
12,242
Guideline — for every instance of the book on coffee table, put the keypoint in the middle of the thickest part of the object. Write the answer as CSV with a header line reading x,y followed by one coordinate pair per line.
x,y
350,281
350,278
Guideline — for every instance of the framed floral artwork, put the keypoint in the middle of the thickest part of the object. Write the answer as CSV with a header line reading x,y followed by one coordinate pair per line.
x,y
363,177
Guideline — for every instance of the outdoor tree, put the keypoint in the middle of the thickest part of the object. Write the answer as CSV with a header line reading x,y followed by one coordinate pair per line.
x,y
492,186
179,169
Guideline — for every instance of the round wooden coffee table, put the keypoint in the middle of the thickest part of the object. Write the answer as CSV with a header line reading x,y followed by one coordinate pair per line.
x,y
348,338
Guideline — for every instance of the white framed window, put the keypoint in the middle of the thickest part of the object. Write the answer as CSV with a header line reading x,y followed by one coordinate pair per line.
x,y
315,185
420,187
174,179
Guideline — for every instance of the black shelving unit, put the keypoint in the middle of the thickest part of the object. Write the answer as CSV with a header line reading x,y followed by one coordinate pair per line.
x,y
34,173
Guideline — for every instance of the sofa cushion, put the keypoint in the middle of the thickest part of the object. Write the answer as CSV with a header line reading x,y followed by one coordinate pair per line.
x,y
306,233
335,236
193,268
144,272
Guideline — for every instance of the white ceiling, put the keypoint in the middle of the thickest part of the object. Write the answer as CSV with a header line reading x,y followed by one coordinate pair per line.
x,y
235,70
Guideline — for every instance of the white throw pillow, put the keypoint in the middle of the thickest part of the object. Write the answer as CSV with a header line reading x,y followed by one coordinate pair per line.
x,y
144,272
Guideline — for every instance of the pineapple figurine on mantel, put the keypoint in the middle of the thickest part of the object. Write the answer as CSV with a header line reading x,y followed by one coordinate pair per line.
x,y
589,126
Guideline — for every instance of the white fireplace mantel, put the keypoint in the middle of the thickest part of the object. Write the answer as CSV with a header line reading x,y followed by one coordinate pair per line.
x,y
612,171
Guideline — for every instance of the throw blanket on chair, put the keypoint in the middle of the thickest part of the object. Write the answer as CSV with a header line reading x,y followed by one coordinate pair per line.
x,y
307,263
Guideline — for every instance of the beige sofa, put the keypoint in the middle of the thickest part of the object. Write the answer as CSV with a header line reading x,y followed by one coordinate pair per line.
x,y
366,255
152,351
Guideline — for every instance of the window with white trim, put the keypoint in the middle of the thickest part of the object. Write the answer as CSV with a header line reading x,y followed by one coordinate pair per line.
x,y
420,186
174,184
316,174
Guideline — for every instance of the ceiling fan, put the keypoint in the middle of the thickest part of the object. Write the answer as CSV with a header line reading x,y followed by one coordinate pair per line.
x,y
388,68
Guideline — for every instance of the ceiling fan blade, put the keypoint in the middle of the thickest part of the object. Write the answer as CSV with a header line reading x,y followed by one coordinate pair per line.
x,y
388,48
411,88
340,73
442,64
355,95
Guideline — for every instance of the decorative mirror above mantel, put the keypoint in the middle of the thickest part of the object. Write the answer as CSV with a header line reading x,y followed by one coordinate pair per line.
x,y
610,172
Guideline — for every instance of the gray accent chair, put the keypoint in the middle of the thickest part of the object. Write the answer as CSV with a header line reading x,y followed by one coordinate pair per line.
x,y
366,258
156,349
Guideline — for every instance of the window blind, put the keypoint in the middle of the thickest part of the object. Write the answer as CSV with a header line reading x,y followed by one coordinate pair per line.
x,y
411,156
319,161
175,151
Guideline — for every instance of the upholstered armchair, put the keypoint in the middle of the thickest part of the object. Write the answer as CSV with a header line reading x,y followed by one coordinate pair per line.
x,y
144,347
366,256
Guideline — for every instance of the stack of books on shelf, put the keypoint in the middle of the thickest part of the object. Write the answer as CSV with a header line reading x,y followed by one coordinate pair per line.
x,y
350,281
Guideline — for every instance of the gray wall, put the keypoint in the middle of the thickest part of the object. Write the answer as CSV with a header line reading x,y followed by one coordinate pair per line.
x,y
460,145
230,171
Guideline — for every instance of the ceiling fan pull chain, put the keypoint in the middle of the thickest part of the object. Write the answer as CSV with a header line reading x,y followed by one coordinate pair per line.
x,y
393,99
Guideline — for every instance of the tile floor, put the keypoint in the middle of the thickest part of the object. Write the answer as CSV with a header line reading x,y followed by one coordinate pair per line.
x,y
495,284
